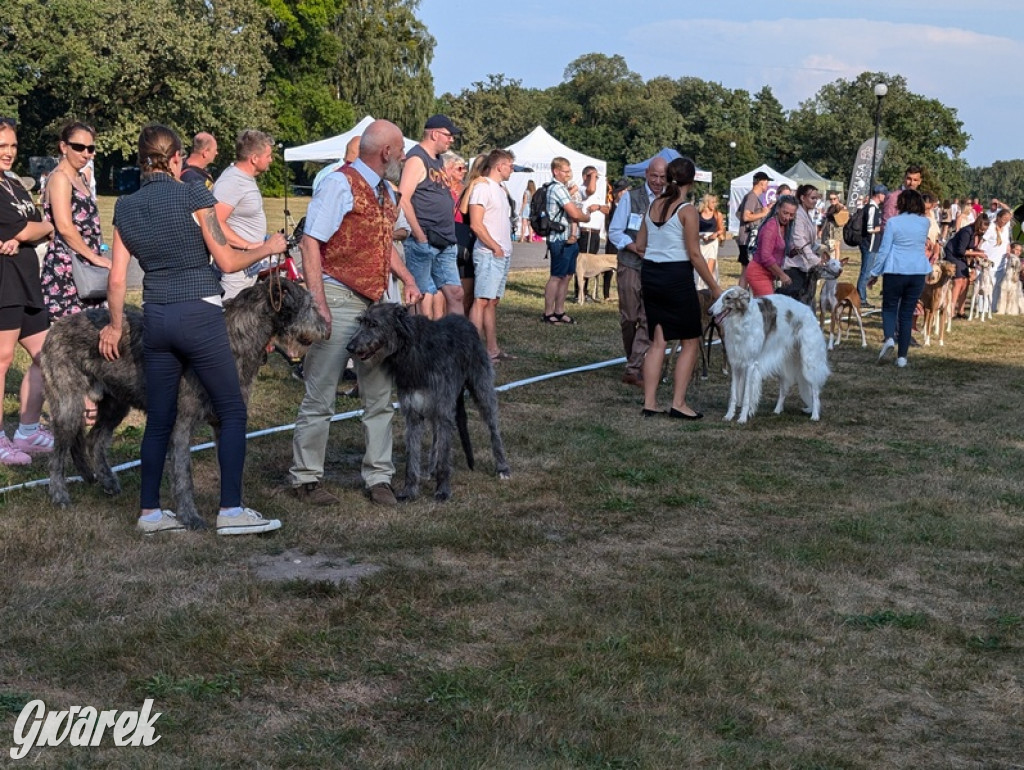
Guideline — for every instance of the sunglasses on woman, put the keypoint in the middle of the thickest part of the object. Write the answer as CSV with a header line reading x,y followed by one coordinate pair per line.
x,y
82,147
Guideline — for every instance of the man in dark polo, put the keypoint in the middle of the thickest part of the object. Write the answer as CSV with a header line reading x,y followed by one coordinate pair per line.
x,y
347,258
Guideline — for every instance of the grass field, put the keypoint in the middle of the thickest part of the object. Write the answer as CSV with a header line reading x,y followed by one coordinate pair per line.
x,y
642,594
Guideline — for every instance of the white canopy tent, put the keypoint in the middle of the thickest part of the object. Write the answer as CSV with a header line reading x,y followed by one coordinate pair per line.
x,y
535,151
332,148
741,185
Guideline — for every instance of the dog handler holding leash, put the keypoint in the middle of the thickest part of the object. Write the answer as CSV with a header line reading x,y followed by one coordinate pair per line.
x,y
172,229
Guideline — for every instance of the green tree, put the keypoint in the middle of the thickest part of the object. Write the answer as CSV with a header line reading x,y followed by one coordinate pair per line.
x,y
304,53
715,116
384,65
1004,180
191,64
829,128
605,110
770,130
495,113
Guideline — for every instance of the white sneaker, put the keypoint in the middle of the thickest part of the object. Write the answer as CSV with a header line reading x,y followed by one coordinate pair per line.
x,y
901,362
887,348
248,522
168,522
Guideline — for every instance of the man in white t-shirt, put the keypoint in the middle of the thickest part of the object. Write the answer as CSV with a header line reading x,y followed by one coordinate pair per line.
x,y
490,219
239,206
595,204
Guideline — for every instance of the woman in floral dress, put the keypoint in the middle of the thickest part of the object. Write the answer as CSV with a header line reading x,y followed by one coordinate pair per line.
x,y
69,205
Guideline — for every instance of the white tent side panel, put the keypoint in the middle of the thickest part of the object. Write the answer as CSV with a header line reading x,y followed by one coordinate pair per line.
x,y
741,185
535,151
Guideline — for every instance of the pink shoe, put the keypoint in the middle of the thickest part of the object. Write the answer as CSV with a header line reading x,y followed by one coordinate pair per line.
x,y
11,455
39,443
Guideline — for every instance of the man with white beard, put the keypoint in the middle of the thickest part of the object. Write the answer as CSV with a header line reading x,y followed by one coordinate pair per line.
x,y
347,259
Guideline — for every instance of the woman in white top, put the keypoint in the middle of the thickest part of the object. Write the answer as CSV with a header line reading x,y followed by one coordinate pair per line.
x,y
669,242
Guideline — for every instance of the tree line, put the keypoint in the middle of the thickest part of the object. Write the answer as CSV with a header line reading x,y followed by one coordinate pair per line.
x,y
306,69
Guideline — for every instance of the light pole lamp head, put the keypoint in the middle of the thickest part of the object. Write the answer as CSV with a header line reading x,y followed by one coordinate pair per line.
x,y
881,89
732,145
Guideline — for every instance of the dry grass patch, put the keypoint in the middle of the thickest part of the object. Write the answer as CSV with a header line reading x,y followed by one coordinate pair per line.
x,y
642,594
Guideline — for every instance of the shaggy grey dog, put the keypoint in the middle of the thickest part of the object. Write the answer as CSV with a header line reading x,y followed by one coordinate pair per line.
x,y
73,369
432,362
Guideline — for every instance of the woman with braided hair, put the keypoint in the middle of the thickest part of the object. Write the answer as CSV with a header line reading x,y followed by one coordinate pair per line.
x,y
172,229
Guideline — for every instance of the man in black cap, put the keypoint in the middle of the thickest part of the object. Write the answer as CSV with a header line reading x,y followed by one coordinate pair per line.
x,y
426,200
751,213
871,240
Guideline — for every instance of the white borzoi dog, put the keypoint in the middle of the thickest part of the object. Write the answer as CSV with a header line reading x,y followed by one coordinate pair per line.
x,y
773,336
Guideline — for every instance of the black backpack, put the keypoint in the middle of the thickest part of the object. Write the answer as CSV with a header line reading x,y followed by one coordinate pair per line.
x,y
854,229
540,221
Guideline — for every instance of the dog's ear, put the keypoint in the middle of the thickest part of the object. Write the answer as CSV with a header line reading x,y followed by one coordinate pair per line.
x,y
404,321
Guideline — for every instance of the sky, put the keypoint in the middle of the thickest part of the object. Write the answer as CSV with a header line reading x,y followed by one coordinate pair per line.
x,y
967,56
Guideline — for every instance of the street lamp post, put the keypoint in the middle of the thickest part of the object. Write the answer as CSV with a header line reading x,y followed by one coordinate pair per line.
x,y
881,89
732,156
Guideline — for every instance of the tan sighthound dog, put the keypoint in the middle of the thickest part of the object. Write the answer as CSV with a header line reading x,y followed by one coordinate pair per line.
x,y
592,266
937,301
834,298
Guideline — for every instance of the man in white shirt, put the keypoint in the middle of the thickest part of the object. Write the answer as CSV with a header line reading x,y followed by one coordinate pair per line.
x,y
490,219
622,231
594,197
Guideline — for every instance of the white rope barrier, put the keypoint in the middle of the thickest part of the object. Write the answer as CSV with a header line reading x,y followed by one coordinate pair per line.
x,y
336,418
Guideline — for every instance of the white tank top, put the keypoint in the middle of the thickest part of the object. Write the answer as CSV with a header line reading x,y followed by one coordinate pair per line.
x,y
665,243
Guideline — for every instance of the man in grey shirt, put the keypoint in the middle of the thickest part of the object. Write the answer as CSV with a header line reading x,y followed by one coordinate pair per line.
x,y
240,206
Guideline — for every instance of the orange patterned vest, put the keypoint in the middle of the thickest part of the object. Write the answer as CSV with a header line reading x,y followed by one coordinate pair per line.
x,y
359,253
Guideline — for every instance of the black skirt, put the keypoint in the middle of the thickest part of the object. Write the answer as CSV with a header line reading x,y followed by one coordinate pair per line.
x,y
670,299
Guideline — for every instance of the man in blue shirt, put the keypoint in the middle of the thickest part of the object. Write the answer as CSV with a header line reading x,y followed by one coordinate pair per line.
x,y
380,152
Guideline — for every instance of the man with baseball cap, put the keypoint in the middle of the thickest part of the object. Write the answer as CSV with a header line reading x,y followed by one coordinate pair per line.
x,y
426,201
871,241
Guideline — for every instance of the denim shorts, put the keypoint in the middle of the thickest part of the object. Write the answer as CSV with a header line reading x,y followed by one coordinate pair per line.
x,y
431,268
491,274
563,258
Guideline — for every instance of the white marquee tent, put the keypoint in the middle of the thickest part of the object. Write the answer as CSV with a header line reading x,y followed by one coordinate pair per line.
x,y
535,151
332,148
741,185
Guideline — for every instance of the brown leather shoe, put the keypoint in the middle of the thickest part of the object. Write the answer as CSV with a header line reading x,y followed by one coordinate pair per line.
x,y
382,494
315,493
632,379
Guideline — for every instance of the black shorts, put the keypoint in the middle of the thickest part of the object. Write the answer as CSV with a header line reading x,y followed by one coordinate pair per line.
x,y
30,320
744,258
589,241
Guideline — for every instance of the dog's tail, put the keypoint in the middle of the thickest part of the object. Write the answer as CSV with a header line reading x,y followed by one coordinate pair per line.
x,y
463,423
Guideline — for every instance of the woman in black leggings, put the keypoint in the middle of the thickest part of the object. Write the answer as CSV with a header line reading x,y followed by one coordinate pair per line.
x,y
172,229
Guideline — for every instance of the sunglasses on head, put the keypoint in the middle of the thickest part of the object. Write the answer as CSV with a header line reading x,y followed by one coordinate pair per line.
x,y
82,147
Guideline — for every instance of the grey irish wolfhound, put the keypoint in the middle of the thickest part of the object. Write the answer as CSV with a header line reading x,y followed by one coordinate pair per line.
x,y
432,362
73,369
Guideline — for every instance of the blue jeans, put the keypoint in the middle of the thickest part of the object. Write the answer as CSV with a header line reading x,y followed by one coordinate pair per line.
x,y
176,337
433,269
867,261
899,299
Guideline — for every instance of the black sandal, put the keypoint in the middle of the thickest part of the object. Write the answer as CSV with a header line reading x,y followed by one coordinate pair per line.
x,y
564,318
550,319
